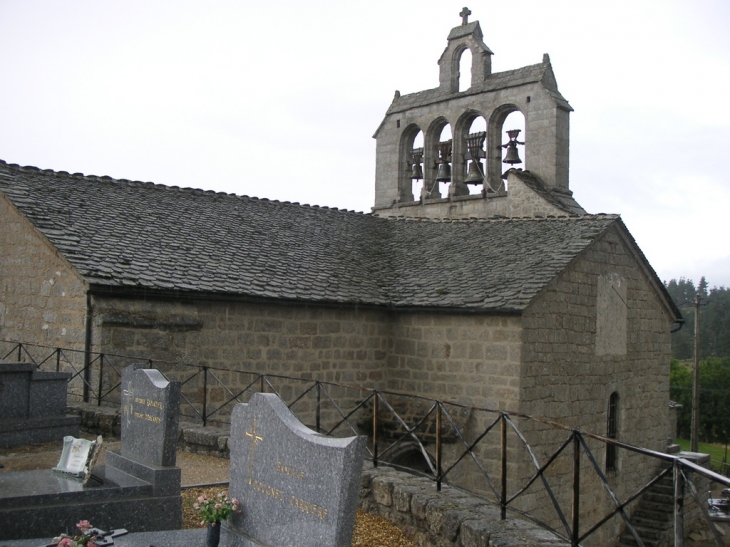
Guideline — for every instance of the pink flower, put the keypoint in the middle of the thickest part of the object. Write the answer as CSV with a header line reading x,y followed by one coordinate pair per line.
x,y
235,501
202,523
65,542
84,525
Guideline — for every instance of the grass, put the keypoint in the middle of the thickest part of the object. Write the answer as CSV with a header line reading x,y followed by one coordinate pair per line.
x,y
716,451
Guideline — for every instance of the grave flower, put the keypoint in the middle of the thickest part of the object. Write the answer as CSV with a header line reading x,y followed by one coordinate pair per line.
x,y
215,510
86,538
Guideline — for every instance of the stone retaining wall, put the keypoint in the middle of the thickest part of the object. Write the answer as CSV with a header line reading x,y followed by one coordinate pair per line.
x,y
450,518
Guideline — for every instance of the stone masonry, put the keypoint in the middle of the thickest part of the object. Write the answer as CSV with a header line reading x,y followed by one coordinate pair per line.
x,y
43,297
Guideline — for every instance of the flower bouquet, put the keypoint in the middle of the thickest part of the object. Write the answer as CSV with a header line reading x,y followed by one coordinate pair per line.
x,y
86,538
215,510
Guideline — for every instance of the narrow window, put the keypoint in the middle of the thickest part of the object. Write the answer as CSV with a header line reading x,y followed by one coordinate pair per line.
x,y
612,432
465,70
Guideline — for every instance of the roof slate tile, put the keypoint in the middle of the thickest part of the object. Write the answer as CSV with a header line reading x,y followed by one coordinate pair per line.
x,y
130,234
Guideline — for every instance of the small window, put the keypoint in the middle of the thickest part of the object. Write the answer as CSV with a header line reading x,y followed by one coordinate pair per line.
x,y
612,432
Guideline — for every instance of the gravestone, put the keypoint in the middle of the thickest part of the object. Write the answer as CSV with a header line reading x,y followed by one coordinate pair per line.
x,y
150,416
296,487
140,485
33,405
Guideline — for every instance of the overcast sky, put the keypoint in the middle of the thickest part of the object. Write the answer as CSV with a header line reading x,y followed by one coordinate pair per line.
x,y
281,99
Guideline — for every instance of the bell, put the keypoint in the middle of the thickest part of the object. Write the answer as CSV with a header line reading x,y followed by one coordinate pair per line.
x,y
512,155
475,175
443,174
416,171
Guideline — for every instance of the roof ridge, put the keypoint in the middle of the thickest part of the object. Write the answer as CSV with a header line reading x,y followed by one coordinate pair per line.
x,y
500,218
187,189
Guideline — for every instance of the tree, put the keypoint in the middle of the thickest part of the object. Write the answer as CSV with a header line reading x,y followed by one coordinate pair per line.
x,y
714,319
714,398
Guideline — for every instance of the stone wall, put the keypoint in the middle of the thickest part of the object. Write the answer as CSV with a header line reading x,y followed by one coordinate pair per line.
x,y
347,346
450,518
42,299
573,359
472,359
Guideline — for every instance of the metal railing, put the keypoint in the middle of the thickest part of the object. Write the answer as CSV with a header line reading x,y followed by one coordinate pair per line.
x,y
496,449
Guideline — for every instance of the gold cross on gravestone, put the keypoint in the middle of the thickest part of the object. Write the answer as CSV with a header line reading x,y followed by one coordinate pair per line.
x,y
465,13
255,439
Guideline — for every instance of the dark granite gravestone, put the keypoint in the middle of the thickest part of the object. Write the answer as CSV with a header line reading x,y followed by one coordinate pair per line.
x,y
150,415
140,489
33,406
297,488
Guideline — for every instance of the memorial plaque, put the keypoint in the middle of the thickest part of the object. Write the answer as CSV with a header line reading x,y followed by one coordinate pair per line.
x,y
75,456
150,415
297,488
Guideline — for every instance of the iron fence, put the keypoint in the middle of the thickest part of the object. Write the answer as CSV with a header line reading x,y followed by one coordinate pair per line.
x,y
492,443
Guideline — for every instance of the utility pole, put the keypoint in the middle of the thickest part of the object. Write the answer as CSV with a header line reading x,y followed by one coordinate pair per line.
x,y
696,381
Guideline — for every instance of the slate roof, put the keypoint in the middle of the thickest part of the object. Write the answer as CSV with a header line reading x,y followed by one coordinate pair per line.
x,y
122,234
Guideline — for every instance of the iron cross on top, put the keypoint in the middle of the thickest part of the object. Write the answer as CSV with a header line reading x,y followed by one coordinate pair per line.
x,y
465,13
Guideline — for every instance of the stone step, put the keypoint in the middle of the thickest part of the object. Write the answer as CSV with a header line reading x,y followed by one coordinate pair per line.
x,y
652,523
663,515
666,499
627,540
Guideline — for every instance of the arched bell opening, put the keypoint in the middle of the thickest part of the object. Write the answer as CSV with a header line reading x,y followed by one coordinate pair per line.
x,y
438,159
410,175
504,151
464,74
470,153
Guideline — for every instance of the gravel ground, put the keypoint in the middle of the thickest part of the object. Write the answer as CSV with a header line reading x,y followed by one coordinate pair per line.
x,y
370,530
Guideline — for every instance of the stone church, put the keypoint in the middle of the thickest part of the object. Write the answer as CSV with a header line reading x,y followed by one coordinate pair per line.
x,y
486,287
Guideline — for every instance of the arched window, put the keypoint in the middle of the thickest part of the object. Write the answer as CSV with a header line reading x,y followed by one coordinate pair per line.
x,y
410,176
504,118
612,432
465,70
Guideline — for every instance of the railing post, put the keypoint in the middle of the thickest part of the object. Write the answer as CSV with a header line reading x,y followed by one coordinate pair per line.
x,y
20,351
58,359
503,494
205,396
576,490
438,446
678,505
101,375
375,430
317,415
261,386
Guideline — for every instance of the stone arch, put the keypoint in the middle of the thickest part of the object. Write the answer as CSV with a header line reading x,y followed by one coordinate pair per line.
x,y
460,163
409,457
405,162
431,155
495,131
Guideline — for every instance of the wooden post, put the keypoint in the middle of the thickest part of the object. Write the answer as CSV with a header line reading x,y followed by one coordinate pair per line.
x,y
694,441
